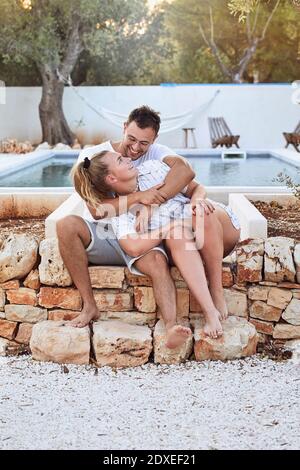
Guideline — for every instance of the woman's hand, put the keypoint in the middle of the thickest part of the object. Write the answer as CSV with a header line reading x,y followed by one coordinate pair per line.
x,y
153,195
203,206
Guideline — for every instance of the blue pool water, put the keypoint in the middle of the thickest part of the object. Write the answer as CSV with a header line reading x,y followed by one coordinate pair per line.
x,y
211,170
255,170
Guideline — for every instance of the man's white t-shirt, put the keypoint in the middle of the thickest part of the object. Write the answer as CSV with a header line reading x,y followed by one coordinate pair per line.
x,y
155,152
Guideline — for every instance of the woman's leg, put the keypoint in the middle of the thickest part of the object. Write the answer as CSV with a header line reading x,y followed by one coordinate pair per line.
x,y
220,237
154,264
190,264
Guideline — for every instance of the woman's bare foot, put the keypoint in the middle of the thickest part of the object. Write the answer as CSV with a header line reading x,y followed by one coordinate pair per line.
x,y
220,303
213,327
177,335
86,315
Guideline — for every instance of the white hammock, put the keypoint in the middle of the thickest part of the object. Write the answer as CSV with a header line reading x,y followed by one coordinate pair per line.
x,y
168,123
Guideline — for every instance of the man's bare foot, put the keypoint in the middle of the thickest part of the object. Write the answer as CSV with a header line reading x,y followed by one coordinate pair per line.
x,y
213,327
86,315
220,304
177,335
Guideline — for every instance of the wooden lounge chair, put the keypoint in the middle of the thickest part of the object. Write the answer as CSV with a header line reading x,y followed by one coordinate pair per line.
x,y
220,134
293,138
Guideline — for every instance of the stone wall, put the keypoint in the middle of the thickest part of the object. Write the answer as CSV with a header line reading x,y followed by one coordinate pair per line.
x,y
262,290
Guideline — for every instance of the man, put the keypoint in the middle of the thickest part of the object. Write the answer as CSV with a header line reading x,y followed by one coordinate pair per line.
x,y
78,241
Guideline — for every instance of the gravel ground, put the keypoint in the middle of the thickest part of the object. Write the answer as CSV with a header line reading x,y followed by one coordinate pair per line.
x,y
243,404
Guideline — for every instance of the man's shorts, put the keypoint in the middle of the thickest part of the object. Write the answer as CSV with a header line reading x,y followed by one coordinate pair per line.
x,y
104,248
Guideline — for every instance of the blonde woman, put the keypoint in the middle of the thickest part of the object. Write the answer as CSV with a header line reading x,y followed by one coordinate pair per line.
x,y
179,222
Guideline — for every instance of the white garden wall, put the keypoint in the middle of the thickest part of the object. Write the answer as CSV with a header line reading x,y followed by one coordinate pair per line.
x,y
259,113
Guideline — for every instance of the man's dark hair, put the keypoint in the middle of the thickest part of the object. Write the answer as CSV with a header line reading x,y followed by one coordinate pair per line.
x,y
145,117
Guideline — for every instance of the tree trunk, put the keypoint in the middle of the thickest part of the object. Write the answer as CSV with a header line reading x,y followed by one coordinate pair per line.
x,y
55,128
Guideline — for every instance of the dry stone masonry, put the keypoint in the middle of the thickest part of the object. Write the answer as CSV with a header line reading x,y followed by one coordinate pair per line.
x,y
37,299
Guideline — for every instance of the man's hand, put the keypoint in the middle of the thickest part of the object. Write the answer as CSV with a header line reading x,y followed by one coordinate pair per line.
x,y
143,219
152,196
203,204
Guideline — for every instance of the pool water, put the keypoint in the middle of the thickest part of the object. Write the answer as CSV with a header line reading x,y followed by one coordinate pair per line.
x,y
211,170
255,170
53,172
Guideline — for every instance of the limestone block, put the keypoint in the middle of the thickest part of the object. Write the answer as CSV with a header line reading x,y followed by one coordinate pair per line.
x,y
25,313
286,331
33,280
113,301
8,329
236,302
67,298
292,312
110,277
258,293
54,341
182,303
59,315
264,327
239,340
24,333
279,263
134,318
118,344
263,311
23,296
52,270
14,284
2,299
227,277
297,261
18,255
250,260
279,298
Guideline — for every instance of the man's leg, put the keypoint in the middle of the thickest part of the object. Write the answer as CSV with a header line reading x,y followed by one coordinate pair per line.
x,y
154,265
73,237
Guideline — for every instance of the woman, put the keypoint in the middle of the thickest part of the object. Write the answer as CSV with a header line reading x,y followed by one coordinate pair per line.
x,y
179,220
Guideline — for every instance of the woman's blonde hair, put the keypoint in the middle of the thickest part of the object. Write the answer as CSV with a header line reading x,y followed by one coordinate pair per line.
x,y
88,178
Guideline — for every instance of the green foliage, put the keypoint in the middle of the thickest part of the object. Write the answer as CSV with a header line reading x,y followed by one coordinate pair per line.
x,y
277,58
242,7
290,184
133,58
194,60
122,44
119,41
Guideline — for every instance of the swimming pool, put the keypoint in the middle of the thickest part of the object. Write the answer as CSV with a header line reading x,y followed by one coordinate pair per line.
x,y
52,172
257,170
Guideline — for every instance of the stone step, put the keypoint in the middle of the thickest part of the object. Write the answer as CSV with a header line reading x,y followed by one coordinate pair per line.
x,y
119,344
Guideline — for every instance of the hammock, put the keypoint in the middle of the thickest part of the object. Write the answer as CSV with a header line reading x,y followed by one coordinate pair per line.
x,y
168,123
